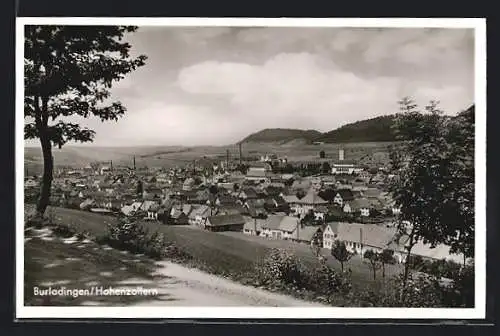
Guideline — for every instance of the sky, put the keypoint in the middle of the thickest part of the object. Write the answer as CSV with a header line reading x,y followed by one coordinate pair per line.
x,y
216,85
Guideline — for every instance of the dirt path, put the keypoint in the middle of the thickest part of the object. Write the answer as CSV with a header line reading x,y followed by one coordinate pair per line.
x,y
191,287
68,262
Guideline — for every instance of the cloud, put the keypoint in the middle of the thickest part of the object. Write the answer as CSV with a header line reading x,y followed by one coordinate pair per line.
x,y
304,90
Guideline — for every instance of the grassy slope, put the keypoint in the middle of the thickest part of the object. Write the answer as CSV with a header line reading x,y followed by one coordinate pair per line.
x,y
230,252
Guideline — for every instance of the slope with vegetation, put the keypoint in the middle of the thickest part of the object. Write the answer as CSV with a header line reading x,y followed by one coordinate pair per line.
x,y
281,135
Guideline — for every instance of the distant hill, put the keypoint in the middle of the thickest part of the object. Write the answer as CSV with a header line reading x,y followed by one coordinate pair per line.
x,y
282,136
370,130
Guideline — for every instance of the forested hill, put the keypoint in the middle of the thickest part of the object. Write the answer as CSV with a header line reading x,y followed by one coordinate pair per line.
x,y
281,135
370,130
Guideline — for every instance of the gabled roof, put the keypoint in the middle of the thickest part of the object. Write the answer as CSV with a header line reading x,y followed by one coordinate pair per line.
x,y
253,223
372,192
346,194
307,233
289,224
202,211
272,222
312,198
222,220
290,198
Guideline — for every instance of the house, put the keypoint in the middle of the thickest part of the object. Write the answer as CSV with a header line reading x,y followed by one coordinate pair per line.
x,y
320,213
309,203
152,193
130,210
288,226
271,227
178,217
114,205
361,205
225,200
372,193
225,223
308,234
343,195
343,167
247,194
358,237
199,215
253,226
188,184
259,173
301,185
147,204
200,197
152,212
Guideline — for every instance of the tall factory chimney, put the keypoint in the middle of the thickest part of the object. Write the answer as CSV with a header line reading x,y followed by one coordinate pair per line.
x,y
241,155
227,158
111,165
341,154
134,162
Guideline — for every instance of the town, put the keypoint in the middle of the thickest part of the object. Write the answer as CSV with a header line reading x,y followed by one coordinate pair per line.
x,y
315,202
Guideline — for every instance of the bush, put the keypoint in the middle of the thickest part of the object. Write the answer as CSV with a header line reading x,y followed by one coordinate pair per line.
x,y
281,267
133,237
327,281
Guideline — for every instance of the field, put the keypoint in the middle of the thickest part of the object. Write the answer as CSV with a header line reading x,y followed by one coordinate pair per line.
x,y
171,156
224,253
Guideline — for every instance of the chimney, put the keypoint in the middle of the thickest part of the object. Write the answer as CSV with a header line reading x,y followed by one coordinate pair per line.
x,y
134,162
227,159
111,165
240,153
298,228
361,241
341,154
255,225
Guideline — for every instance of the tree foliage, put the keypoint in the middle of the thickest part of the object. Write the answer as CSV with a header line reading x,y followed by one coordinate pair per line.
x,y
68,73
435,188
340,253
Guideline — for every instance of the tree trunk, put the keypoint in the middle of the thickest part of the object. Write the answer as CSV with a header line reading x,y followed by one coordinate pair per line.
x,y
48,166
383,270
342,266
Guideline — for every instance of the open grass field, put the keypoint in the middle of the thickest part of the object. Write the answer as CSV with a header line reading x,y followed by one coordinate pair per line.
x,y
170,156
224,253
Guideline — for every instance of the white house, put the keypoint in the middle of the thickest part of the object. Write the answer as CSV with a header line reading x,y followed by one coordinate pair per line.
x,y
271,227
343,195
309,202
288,227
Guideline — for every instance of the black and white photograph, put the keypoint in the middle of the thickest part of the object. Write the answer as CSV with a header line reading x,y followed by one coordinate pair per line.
x,y
237,168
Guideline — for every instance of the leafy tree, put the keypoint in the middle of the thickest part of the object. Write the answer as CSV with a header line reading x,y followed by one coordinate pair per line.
x,y
375,261
139,189
386,257
326,168
340,253
322,154
435,184
213,189
68,72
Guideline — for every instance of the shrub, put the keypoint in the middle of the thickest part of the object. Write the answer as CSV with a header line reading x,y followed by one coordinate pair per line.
x,y
282,268
327,281
133,237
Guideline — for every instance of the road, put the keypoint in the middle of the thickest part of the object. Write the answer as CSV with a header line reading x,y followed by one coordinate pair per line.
x,y
183,286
